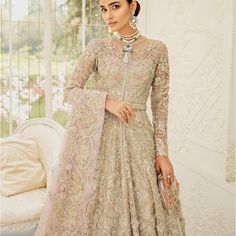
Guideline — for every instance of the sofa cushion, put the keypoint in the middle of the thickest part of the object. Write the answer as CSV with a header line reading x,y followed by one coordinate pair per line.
x,y
21,169
21,210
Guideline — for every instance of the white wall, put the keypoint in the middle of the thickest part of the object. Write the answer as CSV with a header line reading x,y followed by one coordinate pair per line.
x,y
199,36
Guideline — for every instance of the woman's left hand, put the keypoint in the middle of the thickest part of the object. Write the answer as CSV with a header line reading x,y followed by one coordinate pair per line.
x,y
165,167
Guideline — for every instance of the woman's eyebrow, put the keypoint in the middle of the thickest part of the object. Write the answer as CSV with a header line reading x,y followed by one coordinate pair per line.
x,y
110,4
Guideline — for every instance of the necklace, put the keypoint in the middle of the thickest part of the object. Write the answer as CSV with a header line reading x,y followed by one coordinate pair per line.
x,y
127,40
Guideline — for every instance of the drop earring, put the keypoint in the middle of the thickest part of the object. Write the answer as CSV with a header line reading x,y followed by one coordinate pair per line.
x,y
133,21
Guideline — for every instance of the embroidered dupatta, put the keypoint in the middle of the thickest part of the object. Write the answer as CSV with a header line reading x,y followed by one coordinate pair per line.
x,y
65,212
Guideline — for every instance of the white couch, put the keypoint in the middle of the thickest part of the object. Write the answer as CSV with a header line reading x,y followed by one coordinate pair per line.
x,y
20,213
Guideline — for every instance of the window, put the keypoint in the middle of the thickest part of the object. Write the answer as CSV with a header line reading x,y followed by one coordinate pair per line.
x,y
40,41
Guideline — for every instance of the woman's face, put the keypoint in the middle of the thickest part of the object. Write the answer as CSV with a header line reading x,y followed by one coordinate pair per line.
x,y
117,12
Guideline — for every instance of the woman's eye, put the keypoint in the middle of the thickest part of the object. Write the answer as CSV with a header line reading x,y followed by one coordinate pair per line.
x,y
116,6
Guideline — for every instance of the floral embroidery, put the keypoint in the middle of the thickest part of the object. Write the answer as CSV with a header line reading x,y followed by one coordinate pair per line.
x,y
105,182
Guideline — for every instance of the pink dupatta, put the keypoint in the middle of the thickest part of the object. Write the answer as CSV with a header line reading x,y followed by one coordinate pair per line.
x,y
71,184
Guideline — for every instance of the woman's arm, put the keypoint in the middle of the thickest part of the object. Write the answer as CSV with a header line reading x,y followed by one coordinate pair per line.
x,y
159,101
84,68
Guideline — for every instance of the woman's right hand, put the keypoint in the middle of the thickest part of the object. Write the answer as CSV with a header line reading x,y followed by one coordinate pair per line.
x,y
121,109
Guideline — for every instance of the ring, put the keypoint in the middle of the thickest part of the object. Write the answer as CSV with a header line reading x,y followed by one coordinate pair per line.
x,y
169,176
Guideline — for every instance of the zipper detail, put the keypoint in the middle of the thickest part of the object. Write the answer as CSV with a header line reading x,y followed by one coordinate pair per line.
x,y
124,86
122,138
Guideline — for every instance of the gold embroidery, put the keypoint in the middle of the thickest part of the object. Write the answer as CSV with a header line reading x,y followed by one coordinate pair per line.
x,y
106,183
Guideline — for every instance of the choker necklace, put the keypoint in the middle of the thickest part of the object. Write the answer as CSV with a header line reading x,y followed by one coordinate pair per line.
x,y
127,40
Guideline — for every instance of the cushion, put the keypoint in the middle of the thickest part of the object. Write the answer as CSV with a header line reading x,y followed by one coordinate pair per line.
x,y
21,210
20,167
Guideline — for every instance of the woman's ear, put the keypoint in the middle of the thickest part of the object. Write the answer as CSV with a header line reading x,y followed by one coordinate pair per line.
x,y
133,6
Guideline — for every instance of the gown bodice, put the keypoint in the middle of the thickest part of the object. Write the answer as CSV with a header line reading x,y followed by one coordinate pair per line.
x,y
147,70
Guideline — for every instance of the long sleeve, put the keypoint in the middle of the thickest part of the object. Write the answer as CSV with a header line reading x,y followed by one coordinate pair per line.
x,y
84,68
159,101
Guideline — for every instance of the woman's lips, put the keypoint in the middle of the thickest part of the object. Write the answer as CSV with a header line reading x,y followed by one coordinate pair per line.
x,y
111,24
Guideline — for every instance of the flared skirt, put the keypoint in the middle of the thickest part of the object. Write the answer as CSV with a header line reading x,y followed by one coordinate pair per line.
x,y
126,199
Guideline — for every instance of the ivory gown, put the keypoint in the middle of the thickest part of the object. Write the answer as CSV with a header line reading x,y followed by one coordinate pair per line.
x,y
106,182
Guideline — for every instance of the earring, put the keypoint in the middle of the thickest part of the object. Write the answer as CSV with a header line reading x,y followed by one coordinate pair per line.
x,y
133,21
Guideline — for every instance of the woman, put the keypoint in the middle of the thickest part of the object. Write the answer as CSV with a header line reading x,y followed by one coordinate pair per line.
x,y
106,179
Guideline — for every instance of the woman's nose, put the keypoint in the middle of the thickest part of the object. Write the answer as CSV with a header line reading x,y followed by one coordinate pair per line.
x,y
108,15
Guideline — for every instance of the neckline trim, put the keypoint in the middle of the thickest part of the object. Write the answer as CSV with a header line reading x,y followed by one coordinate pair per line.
x,y
118,49
113,38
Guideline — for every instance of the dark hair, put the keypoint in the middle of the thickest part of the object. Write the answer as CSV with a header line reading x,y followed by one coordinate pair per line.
x,y
137,8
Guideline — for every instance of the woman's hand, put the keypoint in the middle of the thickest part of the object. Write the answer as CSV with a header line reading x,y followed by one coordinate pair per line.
x,y
121,109
164,166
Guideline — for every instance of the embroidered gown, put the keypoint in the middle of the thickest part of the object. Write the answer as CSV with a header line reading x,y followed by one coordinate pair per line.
x,y
105,181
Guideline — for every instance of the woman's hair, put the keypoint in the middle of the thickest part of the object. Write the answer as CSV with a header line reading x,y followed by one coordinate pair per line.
x,y
137,8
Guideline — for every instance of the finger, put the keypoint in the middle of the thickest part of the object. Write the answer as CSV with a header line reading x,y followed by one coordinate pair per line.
x,y
166,183
126,112
131,111
169,181
127,115
124,115
121,117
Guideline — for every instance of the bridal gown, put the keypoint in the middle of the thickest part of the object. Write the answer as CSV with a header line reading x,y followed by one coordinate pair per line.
x,y
105,181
